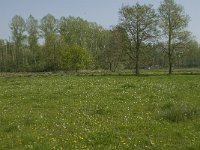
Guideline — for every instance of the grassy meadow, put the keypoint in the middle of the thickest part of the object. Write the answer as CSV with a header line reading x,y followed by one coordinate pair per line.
x,y
61,111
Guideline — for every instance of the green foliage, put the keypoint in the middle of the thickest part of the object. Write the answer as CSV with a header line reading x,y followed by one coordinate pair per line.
x,y
173,22
191,55
32,28
33,33
53,50
77,58
48,25
140,23
169,10
113,56
18,28
48,44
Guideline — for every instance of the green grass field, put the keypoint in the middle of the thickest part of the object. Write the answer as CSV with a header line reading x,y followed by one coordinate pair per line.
x,y
100,112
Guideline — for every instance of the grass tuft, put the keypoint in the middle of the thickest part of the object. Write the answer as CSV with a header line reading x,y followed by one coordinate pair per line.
x,y
178,112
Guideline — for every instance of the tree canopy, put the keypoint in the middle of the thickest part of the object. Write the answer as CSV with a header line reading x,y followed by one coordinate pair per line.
x,y
144,38
140,23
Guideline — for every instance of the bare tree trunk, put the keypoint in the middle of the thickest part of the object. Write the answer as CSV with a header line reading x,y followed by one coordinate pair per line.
x,y
23,59
6,54
169,46
1,58
110,66
170,56
54,49
13,54
170,68
137,72
35,62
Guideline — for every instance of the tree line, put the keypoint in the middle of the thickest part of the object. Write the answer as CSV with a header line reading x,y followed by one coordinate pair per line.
x,y
144,38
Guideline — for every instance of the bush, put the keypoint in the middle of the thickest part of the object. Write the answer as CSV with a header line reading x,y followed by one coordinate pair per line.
x,y
77,58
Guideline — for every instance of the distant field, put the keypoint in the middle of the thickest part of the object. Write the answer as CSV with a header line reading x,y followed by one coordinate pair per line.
x,y
99,112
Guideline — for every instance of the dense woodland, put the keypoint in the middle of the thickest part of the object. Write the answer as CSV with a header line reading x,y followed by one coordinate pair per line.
x,y
145,38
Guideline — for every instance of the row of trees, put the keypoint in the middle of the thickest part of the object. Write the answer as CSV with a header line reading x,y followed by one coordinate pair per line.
x,y
144,26
144,38
45,45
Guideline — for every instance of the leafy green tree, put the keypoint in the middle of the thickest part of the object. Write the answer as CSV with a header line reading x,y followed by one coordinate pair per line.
x,y
18,28
77,31
2,50
32,28
77,58
48,25
88,35
98,45
49,30
190,57
158,55
173,22
74,30
114,53
53,52
140,23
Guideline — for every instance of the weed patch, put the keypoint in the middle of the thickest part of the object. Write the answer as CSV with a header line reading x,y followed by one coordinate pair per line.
x,y
178,112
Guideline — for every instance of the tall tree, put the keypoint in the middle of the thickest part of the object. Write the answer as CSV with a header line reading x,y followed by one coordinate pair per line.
x,y
53,52
140,22
49,30
48,25
74,30
18,28
33,36
116,43
173,22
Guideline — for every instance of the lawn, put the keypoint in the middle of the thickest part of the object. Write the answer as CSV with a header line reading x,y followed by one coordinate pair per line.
x,y
62,111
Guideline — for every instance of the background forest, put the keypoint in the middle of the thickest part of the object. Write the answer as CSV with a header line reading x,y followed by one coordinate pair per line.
x,y
145,38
